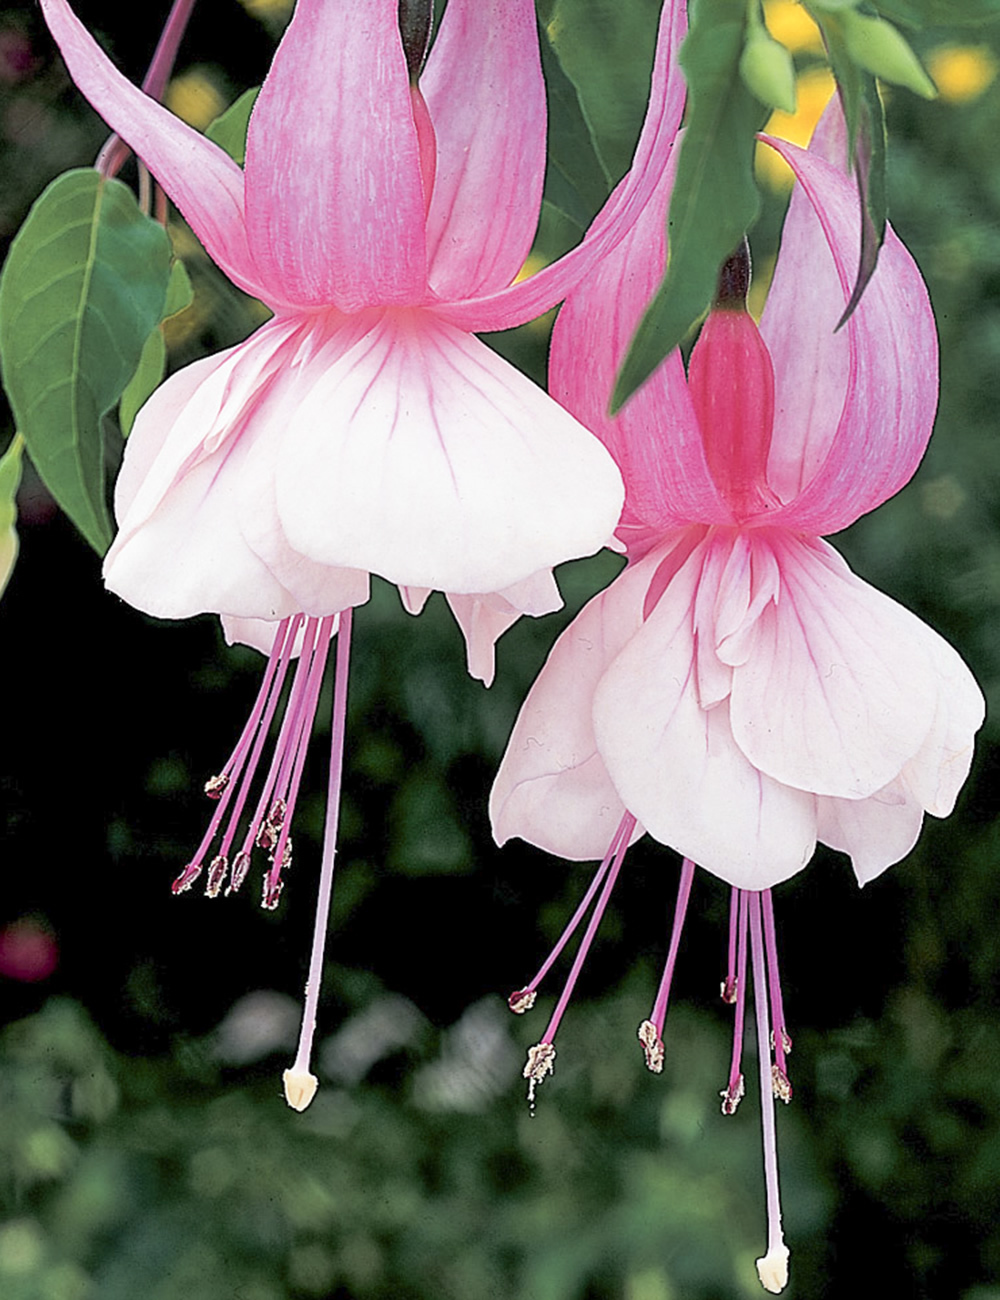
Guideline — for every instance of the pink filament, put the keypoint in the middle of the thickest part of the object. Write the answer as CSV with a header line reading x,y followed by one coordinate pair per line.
x,y
729,988
741,983
338,728
774,982
115,151
617,858
616,842
659,1012
268,694
290,792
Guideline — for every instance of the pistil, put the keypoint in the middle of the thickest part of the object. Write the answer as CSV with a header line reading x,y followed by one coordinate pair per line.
x,y
300,1083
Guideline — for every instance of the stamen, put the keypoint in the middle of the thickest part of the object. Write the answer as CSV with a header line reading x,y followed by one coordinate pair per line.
x,y
237,764
772,1268
523,999
780,1040
288,734
728,989
284,806
659,1013
297,1079
215,785
541,1061
622,838
735,1089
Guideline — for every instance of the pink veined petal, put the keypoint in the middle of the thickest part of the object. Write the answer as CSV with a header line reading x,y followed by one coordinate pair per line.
x,y
552,788
676,765
191,414
655,439
189,556
483,618
421,455
530,298
854,410
839,692
483,85
875,832
205,184
334,198
181,548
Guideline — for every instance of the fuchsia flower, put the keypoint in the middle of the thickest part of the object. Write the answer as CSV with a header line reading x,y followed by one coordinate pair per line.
x,y
363,428
737,691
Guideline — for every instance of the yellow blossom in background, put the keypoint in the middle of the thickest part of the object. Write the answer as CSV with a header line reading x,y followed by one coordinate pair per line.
x,y
961,72
267,10
789,23
813,89
195,98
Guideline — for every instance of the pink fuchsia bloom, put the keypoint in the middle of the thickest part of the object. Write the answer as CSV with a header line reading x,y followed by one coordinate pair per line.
x,y
383,214
364,429
737,691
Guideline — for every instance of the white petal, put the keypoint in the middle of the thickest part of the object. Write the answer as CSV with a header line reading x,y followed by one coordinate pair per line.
x,y
485,617
552,788
421,455
876,832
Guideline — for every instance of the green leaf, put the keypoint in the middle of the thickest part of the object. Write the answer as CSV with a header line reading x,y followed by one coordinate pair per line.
x,y
229,130
144,383
10,481
865,117
940,13
605,47
83,285
715,199
576,181
153,362
180,294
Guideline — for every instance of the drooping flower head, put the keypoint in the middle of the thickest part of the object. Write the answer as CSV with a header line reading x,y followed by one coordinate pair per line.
x,y
385,208
737,691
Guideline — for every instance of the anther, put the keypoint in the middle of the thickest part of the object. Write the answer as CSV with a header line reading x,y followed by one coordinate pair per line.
x,y
652,1045
216,875
241,865
541,1061
267,837
733,1095
276,816
728,990
216,785
781,1085
272,892
187,878
521,1001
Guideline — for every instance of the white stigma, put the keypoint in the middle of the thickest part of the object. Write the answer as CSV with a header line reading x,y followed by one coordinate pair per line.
x,y
300,1088
772,1269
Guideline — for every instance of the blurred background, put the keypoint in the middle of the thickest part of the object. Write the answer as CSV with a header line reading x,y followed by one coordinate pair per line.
x,y
145,1148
